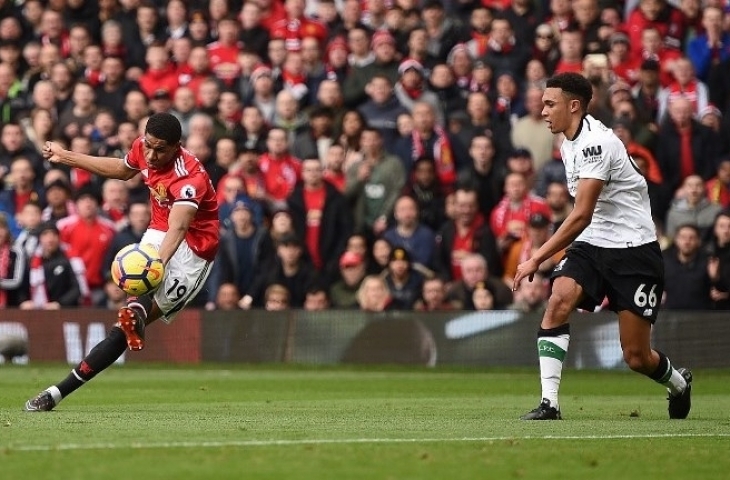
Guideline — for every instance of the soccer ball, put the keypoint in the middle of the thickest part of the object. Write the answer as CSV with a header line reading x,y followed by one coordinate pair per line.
x,y
137,269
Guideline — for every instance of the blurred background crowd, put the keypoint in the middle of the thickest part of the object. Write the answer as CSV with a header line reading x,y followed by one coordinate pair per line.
x,y
371,154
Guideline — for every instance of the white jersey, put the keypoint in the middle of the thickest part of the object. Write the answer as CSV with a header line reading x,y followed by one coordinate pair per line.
x,y
622,217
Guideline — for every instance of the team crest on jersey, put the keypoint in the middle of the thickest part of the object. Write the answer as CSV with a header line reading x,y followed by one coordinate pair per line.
x,y
159,192
187,191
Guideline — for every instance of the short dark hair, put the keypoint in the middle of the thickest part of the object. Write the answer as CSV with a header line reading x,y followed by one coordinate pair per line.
x,y
165,127
573,85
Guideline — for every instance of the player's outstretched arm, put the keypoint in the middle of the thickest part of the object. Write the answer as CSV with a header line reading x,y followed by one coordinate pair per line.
x,y
586,197
178,223
108,167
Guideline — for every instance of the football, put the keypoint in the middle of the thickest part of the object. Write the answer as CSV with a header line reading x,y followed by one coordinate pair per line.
x,y
137,269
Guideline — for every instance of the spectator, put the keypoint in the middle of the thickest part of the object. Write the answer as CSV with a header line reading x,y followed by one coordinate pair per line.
x,y
425,189
686,279
509,219
244,248
276,298
334,163
287,116
38,127
255,130
23,190
321,217
531,296
317,299
59,203
433,297
685,84
646,91
349,133
374,296
477,275
467,233
718,267
13,144
482,298
12,268
29,219
559,201
288,269
296,26
254,36
707,50
482,123
538,232
380,256
403,281
429,138
382,108
316,139
115,197
410,234
373,184
529,131
718,187
443,84
366,64
53,282
138,219
88,236
343,293
279,168
693,208
412,89
685,147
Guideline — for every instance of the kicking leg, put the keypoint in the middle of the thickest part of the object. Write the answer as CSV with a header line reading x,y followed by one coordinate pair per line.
x,y
102,355
635,333
552,345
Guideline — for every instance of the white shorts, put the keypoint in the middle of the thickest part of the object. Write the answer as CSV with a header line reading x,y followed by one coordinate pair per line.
x,y
185,276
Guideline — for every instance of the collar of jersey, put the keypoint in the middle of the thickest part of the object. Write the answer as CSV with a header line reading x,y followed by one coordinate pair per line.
x,y
580,128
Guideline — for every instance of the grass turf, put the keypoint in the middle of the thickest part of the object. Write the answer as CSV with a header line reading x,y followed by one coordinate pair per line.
x,y
348,423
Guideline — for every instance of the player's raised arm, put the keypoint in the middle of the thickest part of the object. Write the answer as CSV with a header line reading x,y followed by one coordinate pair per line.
x,y
108,167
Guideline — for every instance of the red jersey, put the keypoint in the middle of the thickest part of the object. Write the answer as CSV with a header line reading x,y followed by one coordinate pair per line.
x,y
294,30
224,61
184,181
280,175
503,213
88,241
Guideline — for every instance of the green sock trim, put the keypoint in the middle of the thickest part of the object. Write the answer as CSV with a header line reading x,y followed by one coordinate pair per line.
x,y
546,348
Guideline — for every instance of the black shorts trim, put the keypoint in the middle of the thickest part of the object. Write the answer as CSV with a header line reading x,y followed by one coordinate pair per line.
x,y
632,278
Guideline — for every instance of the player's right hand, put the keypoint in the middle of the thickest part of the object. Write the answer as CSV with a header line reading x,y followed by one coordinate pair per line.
x,y
52,152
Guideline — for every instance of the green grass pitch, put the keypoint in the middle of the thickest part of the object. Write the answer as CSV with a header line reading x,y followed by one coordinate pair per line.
x,y
223,422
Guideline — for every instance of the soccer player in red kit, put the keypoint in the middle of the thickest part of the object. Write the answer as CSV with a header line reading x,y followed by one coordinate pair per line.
x,y
184,229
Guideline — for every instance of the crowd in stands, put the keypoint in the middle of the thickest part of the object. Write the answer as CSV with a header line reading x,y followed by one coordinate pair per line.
x,y
372,154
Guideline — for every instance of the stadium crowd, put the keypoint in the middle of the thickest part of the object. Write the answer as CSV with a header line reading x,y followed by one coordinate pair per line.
x,y
372,154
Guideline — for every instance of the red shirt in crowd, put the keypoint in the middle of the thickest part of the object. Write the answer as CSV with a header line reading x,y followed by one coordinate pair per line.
x,y
294,30
88,241
280,175
185,182
503,213
154,80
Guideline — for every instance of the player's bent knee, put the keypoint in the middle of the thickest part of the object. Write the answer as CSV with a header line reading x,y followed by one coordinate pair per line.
x,y
637,359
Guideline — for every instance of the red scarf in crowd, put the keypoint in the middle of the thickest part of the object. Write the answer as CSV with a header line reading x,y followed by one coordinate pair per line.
x,y
442,155
4,271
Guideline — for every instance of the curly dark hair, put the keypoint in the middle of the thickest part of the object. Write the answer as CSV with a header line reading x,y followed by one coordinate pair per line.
x,y
574,85
165,127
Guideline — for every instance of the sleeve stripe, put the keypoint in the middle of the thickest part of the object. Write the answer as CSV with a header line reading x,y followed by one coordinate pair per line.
x,y
187,202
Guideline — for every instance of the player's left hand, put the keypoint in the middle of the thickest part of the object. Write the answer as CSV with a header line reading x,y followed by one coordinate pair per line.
x,y
525,269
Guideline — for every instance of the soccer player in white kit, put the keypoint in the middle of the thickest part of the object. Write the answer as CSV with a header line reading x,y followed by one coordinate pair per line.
x,y
613,250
